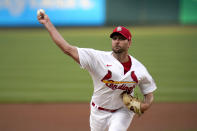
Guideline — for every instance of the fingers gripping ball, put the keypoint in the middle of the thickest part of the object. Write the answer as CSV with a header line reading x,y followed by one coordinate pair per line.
x,y
41,13
132,103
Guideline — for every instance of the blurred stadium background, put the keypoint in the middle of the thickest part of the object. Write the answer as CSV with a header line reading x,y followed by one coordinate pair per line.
x,y
33,69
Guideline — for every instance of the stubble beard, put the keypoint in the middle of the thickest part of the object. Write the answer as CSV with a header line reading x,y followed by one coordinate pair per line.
x,y
118,51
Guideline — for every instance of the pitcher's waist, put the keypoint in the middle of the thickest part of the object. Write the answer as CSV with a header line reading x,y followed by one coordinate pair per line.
x,y
104,109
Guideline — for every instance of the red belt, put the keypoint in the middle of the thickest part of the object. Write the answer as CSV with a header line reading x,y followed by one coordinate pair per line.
x,y
104,109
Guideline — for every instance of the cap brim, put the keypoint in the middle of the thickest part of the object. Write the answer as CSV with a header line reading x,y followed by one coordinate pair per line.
x,y
114,33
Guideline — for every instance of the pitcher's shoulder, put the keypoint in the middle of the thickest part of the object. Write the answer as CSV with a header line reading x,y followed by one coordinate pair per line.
x,y
137,64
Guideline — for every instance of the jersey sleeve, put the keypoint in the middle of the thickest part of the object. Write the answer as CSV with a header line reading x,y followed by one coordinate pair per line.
x,y
87,58
147,83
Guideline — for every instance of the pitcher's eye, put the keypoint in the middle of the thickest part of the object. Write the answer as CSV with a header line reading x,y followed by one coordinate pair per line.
x,y
122,38
114,38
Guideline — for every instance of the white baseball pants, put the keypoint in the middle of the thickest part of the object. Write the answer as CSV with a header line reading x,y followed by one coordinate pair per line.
x,y
117,121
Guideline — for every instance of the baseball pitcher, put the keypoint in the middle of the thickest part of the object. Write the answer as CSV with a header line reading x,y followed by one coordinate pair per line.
x,y
115,75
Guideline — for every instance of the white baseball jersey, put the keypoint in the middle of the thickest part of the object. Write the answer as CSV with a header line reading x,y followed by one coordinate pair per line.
x,y
109,79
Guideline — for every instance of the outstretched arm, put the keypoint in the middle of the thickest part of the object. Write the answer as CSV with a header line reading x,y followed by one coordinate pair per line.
x,y
57,38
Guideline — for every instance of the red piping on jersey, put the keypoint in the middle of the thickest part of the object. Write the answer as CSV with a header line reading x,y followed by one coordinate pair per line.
x,y
134,77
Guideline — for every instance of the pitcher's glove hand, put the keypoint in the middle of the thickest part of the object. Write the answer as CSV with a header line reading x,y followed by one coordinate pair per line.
x,y
132,103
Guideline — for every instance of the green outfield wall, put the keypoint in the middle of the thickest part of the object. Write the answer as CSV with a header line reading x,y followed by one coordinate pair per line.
x,y
151,12
188,12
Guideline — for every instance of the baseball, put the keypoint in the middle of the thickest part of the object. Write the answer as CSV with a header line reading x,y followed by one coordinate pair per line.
x,y
41,12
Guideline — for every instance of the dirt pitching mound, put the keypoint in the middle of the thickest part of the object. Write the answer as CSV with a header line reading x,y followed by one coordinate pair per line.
x,y
75,117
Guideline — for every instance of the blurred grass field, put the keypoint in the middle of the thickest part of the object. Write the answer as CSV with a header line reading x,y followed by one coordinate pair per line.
x,y
33,69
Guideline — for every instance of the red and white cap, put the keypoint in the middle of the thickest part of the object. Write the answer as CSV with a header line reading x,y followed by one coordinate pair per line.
x,y
123,31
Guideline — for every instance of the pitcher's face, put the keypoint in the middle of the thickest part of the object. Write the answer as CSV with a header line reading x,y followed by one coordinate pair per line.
x,y
120,44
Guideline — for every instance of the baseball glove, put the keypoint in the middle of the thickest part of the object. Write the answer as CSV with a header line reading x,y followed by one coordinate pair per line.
x,y
132,103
